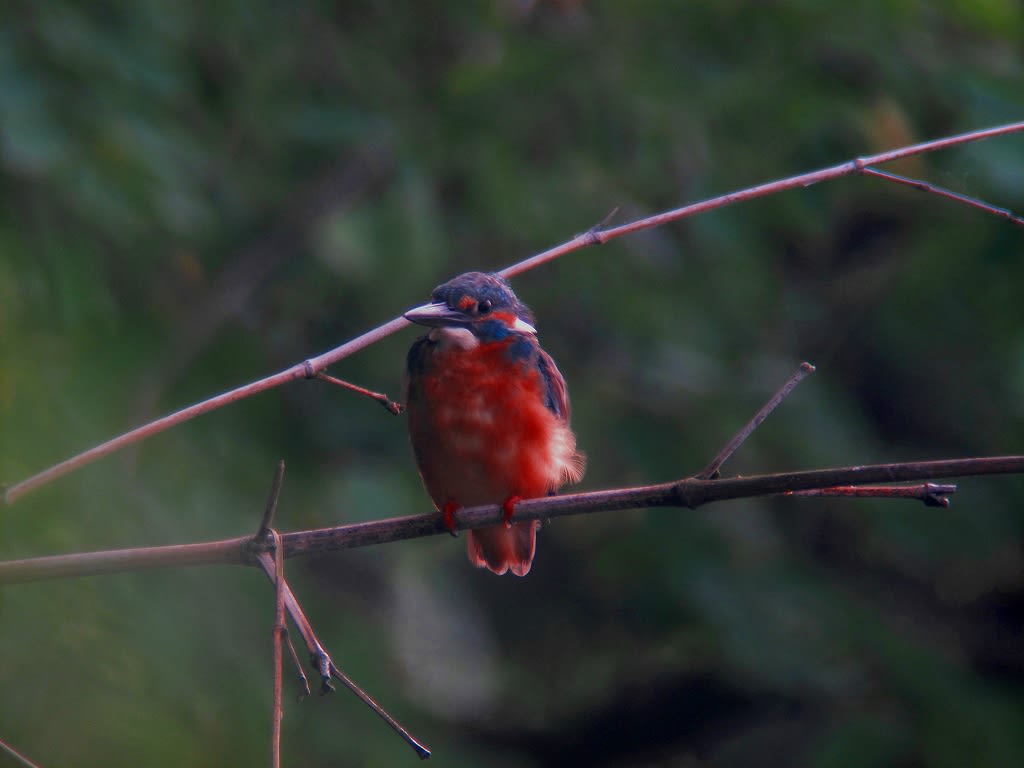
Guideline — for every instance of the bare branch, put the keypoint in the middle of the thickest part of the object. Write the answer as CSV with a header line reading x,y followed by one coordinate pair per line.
x,y
800,181
934,189
690,492
313,366
17,756
224,552
422,750
273,567
303,680
390,405
316,651
303,370
711,470
321,660
270,510
932,494
279,634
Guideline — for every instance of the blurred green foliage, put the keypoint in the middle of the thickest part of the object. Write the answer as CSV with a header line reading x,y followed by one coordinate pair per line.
x,y
195,195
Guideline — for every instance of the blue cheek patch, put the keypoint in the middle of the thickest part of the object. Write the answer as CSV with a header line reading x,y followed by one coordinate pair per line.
x,y
520,350
492,330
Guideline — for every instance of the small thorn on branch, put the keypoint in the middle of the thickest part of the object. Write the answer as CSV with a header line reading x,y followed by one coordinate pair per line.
x,y
593,236
392,407
932,494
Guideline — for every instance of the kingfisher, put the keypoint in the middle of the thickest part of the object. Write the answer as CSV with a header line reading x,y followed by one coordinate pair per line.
x,y
488,414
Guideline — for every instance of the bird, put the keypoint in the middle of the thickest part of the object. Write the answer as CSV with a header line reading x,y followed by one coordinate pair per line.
x,y
488,414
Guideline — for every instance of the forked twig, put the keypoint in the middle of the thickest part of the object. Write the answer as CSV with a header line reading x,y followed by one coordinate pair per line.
x,y
321,660
273,567
849,168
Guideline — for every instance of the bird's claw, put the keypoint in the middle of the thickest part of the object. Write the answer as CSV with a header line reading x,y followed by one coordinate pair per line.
x,y
448,515
510,509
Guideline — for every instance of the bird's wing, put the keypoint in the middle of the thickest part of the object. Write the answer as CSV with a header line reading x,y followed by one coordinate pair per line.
x,y
556,396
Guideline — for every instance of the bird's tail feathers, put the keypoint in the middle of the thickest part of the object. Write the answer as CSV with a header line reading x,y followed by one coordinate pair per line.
x,y
501,549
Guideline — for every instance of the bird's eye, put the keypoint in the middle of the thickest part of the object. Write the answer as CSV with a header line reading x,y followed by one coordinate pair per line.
x,y
484,307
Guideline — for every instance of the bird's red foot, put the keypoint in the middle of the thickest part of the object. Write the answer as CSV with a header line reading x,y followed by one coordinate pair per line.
x,y
448,514
510,509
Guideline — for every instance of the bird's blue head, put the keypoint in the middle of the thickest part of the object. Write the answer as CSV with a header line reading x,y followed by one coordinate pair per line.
x,y
480,303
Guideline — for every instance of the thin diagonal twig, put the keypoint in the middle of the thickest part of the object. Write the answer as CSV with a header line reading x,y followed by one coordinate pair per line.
x,y
932,494
300,673
935,189
20,758
390,405
711,470
296,372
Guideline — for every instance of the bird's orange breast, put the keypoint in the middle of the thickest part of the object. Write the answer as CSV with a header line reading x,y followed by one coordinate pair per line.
x,y
481,431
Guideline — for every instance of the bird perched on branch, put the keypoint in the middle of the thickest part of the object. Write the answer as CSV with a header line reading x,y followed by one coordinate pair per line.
x,y
488,414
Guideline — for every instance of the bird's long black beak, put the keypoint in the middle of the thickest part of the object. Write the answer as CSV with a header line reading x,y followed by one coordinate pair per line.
x,y
438,315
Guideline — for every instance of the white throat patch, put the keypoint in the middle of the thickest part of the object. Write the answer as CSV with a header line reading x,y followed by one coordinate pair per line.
x,y
454,338
462,338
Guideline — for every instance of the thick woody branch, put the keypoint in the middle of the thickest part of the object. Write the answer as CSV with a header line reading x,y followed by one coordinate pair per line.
x,y
690,493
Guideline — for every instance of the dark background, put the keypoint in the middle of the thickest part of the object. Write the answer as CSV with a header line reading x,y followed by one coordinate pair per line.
x,y
192,199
